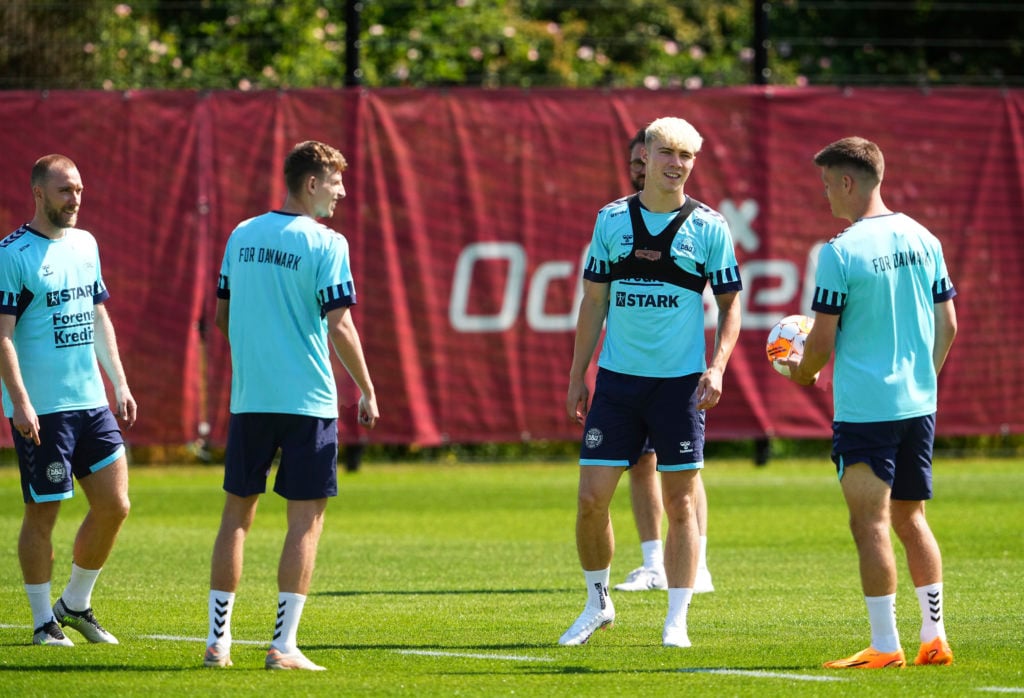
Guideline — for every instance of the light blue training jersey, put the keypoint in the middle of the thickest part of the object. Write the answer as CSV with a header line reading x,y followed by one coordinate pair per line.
x,y
282,274
52,288
656,328
883,275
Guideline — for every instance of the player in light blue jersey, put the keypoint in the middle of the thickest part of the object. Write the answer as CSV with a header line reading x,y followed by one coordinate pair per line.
x,y
645,483
883,304
54,327
650,258
283,301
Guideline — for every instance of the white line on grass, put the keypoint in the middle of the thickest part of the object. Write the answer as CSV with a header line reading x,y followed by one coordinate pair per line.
x,y
470,655
762,674
428,653
1003,689
180,638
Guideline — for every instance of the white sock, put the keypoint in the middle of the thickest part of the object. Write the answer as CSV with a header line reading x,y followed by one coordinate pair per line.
x,y
289,612
882,614
678,605
597,587
654,554
932,623
78,593
220,605
702,559
39,601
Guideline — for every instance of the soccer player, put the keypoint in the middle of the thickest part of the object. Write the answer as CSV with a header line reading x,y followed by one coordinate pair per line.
x,y
650,258
644,485
53,328
283,299
883,303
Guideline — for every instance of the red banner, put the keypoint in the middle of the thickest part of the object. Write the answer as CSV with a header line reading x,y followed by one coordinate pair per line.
x,y
468,214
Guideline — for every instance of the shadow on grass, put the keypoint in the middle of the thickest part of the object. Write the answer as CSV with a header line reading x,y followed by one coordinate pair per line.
x,y
792,672
79,668
437,592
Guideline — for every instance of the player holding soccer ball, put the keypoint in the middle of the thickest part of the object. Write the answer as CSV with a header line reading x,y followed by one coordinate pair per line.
x,y
885,278
650,258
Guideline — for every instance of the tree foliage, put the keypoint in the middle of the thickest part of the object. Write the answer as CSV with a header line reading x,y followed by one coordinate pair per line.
x,y
251,44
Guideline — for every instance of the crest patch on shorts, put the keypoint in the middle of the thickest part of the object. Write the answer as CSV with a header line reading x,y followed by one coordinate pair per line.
x,y
593,438
55,472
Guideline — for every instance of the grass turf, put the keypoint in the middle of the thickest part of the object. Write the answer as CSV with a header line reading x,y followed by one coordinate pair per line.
x,y
458,580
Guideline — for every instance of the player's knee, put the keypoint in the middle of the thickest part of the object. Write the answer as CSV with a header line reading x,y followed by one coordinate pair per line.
x,y
681,507
116,509
591,503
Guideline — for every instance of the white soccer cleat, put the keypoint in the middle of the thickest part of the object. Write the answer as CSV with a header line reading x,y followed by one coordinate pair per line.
x,y
217,655
644,579
590,621
49,633
82,621
675,636
703,585
276,659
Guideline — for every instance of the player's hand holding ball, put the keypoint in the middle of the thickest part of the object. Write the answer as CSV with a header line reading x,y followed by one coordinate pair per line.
x,y
785,344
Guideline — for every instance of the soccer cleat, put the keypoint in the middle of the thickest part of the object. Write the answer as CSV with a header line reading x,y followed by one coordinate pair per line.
x,y
644,579
84,622
675,636
276,659
703,585
49,633
935,652
591,620
869,659
217,656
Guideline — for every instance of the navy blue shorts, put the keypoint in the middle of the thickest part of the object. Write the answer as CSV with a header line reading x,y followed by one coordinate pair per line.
x,y
72,445
899,453
309,455
626,410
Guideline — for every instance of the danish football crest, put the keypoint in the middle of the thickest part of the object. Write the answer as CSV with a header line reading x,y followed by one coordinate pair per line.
x,y
55,472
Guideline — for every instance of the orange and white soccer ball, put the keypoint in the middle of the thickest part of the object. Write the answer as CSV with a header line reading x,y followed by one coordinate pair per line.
x,y
787,339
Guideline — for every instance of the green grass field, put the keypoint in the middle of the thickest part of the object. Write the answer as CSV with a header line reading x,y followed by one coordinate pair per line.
x,y
458,580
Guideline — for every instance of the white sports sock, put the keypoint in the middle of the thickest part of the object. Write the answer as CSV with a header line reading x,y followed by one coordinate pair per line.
x,y
220,604
289,612
929,597
678,606
39,601
702,559
654,554
78,593
882,614
597,586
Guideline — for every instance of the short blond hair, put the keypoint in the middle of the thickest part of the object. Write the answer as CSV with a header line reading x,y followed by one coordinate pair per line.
x,y
676,133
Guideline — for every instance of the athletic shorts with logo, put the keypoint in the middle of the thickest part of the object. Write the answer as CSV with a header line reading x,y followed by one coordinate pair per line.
x,y
73,445
627,409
